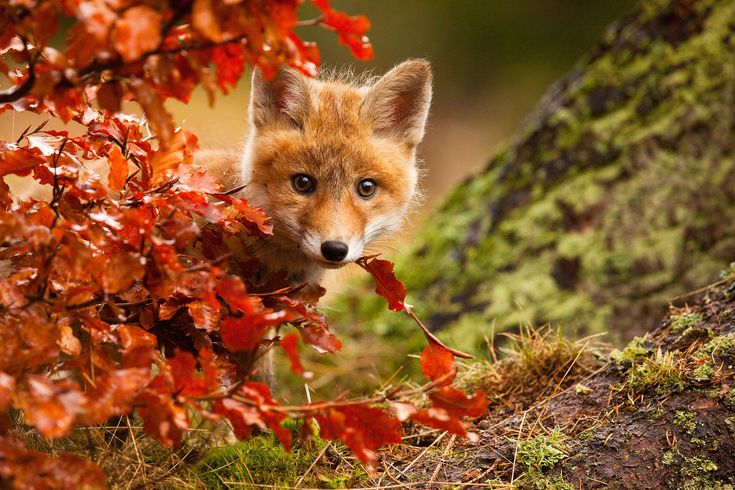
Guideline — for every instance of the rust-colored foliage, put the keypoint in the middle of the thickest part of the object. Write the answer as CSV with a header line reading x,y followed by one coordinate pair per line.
x,y
118,291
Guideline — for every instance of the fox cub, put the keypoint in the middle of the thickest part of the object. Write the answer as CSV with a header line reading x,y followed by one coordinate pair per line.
x,y
333,163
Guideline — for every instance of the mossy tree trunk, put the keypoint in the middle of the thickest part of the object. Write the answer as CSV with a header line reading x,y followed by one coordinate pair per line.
x,y
617,194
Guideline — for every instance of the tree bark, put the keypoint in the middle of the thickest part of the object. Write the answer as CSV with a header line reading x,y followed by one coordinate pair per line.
x,y
615,196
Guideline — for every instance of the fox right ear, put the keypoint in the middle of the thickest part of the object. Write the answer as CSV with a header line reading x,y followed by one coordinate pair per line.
x,y
284,98
398,103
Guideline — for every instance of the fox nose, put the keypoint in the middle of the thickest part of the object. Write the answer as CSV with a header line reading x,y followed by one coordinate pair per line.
x,y
334,251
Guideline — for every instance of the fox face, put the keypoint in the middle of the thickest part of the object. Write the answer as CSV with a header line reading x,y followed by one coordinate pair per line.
x,y
333,163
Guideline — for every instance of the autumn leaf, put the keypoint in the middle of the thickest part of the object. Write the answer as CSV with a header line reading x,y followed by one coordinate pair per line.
x,y
244,333
138,31
289,343
118,169
160,120
437,363
386,283
364,429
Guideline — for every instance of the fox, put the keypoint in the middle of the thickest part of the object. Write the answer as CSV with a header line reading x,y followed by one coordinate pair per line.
x,y
332,160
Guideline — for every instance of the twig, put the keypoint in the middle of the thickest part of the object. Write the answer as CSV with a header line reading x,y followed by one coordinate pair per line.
x,y
441,461
426,450
433,338
518,443
313,463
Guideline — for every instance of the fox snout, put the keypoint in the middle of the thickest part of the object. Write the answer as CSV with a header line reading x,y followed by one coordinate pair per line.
x,y
334,251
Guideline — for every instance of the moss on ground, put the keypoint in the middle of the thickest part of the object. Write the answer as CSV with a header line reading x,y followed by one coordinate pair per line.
x,y
262,460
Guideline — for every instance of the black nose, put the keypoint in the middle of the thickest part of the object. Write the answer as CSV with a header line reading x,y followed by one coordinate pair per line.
x,y
334,251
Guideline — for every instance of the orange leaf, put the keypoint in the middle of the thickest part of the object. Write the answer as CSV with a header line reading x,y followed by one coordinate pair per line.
x,y
137,32
118,169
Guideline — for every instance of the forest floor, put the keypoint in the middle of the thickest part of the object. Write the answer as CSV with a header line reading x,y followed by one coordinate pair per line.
x,y
563,413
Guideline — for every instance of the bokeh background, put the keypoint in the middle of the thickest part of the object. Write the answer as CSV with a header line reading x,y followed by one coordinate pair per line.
x,y
492,61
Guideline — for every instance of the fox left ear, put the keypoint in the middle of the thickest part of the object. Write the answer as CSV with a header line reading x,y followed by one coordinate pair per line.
x,y
284,99
398,103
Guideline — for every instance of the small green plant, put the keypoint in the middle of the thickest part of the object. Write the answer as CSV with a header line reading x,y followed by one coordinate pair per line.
x,y
663,372
262,460
717,346
703,373
542,451
684,319
635,350
686,420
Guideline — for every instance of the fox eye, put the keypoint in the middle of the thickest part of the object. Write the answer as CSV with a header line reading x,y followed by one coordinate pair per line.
x,y
366,188
303,184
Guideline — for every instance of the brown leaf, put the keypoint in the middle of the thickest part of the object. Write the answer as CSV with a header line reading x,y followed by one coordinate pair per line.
x,y
51,407
24,469
109,96
160,120
113,394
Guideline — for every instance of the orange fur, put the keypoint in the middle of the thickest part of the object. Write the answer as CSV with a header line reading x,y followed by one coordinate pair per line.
x,y
338,132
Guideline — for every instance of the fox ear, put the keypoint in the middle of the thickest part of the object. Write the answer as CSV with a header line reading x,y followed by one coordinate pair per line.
x,y
284,98
398,103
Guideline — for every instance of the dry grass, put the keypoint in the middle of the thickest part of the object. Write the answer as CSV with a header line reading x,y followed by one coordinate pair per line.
x,y
535,364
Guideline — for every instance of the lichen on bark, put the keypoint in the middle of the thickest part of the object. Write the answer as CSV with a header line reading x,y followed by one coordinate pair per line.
x,y
617,194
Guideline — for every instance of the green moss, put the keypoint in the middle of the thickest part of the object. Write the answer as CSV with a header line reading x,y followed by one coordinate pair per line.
x,y
698,442
635,350
542,451
716,346
668,457
696,474
538,481
660,372
581,389
684,320
262,460
703,373
686,420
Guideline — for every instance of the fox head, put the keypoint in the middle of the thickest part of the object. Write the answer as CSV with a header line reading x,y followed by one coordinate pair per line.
x,y
333,162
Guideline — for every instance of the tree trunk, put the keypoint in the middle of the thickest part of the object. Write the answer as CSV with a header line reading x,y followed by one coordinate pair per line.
x,y
616,195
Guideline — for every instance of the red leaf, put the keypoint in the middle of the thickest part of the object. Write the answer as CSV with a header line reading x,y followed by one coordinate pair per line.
x,y
230,62
438,363
251,215
320,338
244,333
386,283
457,404
290,345
364,429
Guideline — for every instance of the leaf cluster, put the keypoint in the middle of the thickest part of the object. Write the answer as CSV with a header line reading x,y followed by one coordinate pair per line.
x,y
119,292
